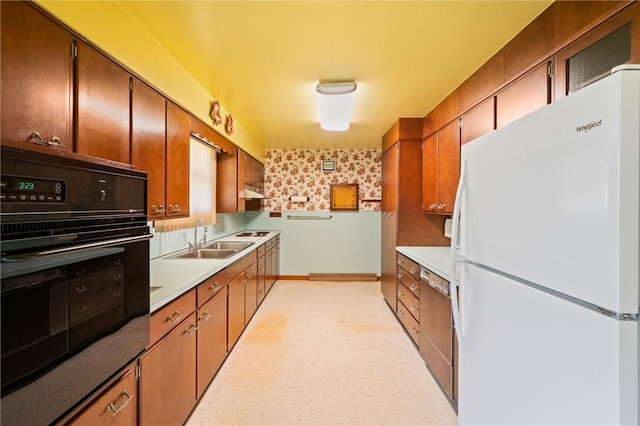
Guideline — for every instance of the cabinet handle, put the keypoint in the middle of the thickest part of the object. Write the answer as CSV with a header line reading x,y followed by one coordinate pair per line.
x,y
175,208
117,294
158,210
214,287
117,277
413,287
400,293
433,206
81,308
441,206
177,316
249,276
81,289
400,275
400,261
115,410
413,329
413,308
36,138
412,270
188,329
205,317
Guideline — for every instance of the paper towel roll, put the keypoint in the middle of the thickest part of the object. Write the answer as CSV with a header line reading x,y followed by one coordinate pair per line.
x,y
298,199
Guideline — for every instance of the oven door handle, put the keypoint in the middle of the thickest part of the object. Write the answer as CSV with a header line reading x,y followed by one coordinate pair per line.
x,y
74,249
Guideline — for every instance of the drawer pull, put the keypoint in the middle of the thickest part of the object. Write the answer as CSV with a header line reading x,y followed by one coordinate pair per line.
x,y
214,287
177,316
400,261
413,330
81,289
400,275
413,287
414,308
81,308
117,277
188,329
205,317
249,276
117,294
400,293
412,270
115,410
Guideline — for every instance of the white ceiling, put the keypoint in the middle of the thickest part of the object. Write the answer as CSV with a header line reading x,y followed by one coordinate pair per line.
x,y
262,59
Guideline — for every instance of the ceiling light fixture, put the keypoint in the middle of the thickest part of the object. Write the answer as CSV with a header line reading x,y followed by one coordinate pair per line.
x,y
335,104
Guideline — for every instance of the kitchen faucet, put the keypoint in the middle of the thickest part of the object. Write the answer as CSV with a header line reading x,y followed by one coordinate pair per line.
x,y
195,244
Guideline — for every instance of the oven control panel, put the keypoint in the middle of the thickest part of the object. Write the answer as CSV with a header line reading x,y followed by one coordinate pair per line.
x,y
20,189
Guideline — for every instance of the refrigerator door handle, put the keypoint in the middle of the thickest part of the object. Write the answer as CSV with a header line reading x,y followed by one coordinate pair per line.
x,y
455,225
455,239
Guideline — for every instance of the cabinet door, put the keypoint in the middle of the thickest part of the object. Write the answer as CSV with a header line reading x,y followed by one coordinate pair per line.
x,y
36,76
177,166
242,170
102,106
116,405
270,272
389,224
527,94
250,292
448,166
436,319
430,174
478,121
167,383
212,339
236,310
148,111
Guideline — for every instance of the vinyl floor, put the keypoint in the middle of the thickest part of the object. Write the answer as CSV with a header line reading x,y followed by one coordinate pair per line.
x,y
323,353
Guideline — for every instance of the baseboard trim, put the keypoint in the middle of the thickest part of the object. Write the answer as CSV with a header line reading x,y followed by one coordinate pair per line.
x,y
342,277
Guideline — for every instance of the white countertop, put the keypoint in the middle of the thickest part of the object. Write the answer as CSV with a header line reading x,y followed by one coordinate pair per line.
x,y
436,259
170,278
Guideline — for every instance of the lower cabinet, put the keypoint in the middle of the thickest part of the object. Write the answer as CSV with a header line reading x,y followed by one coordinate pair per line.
x,y
168,377
116,405
212,339
250,292
236,310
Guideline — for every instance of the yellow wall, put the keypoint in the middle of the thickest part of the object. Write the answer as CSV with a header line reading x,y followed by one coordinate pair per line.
x,y
109,26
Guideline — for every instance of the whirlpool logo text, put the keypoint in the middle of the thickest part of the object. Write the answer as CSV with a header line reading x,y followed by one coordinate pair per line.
x,y
587,127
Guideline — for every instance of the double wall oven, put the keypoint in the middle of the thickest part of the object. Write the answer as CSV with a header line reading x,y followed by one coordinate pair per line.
x,y
74,278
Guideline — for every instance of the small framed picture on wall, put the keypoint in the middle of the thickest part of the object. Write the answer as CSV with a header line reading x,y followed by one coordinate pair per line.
x,y
328,166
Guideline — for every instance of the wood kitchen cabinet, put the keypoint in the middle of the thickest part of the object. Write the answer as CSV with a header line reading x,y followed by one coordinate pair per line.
x,y
250,292
436,328
167,383
408,291
116,404
530,92
177,161
236,172
160,146
441,169
102,86
262,271
478,121
403,222
212,332
37,78
235,314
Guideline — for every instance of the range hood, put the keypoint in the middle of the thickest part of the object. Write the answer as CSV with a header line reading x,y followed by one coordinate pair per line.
x,y
248,194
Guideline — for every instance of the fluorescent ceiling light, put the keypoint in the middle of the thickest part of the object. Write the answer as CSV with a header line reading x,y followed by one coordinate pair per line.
x,y
335,104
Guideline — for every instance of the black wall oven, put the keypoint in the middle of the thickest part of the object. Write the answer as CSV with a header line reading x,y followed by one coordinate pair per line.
x,y
74,278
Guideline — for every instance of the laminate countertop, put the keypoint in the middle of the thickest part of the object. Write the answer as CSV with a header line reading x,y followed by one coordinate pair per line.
x,y
436,259
171,278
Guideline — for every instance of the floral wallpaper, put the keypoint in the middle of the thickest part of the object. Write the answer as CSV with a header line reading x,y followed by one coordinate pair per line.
x,y
297,172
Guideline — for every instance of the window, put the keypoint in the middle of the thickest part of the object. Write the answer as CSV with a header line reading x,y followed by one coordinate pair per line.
x,y
202,189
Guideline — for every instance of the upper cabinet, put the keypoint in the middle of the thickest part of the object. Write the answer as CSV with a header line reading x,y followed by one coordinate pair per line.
x,y
102,106
36,60
160,147
177,161
527,94
148,110
478,121
591,57
236,173
441,169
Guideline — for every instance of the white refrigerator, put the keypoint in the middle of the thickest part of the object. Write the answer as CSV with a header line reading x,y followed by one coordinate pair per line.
x,y
545,247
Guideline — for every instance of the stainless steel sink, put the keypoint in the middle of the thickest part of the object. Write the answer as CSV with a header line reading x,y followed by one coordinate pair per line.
x,y
228,245
205,254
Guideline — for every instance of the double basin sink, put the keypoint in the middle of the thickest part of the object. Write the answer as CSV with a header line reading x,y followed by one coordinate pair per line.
x,y
213,250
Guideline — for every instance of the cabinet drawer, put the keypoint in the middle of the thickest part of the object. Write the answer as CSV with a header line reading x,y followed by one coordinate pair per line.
x,y
437,363
409,265
117,405
168,317
436,318
409,322
211,286
409,300
262,250
412,284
